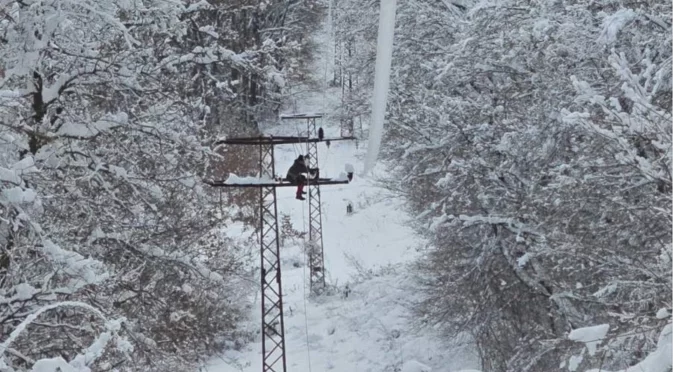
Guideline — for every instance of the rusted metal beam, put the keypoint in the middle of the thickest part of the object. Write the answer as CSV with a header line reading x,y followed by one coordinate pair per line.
x,y
323,182
313,115
285,140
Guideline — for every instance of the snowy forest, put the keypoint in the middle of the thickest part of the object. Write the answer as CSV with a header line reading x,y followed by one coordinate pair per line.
x,y
530,143
111,256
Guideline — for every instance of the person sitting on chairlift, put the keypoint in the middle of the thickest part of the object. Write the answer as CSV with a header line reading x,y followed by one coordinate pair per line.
x,y
295,175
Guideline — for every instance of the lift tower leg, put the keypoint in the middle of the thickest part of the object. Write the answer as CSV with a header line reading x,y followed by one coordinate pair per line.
x,y
315,251
273,328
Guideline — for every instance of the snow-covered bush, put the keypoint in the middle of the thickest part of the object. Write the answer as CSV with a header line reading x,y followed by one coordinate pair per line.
x,y
533,140
111,249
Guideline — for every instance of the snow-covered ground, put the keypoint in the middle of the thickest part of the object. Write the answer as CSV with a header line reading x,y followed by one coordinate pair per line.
x,y
372,328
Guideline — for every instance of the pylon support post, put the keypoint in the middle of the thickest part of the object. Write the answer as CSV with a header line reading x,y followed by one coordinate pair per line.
x,y
316,257
315,250
273,327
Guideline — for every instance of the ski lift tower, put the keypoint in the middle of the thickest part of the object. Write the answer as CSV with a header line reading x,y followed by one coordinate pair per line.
x,y
273,327
314,252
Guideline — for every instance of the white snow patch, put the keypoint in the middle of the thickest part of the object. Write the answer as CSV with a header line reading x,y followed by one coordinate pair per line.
x,y
614,23
540,29
606,290
236,180
10,176
523,260
277,78
195,265
187,288
663,313
82,270
25,166
87,130
53,365
210,30
189,182
342,177
9,93
18,195
366,331
201,5
574,362
24,291
118,171
591,336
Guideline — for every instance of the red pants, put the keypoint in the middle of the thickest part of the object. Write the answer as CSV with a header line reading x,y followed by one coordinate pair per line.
x,y
301,181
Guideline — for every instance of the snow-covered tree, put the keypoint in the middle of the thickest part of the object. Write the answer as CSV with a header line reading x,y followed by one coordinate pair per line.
x,y
108,237
533,141
354,34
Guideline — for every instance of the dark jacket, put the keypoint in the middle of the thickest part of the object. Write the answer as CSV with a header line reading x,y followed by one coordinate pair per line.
x,y
297,169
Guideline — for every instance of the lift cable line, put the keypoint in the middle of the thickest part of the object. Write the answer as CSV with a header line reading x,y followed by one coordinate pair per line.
x,y
273,326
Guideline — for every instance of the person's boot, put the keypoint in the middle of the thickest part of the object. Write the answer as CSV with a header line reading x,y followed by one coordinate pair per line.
x,y
299,197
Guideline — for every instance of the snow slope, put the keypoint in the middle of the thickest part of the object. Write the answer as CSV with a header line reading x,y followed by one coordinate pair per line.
x,y
365,324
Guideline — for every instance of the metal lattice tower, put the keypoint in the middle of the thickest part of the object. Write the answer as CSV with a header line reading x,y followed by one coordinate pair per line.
x,y
315,249
273,328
